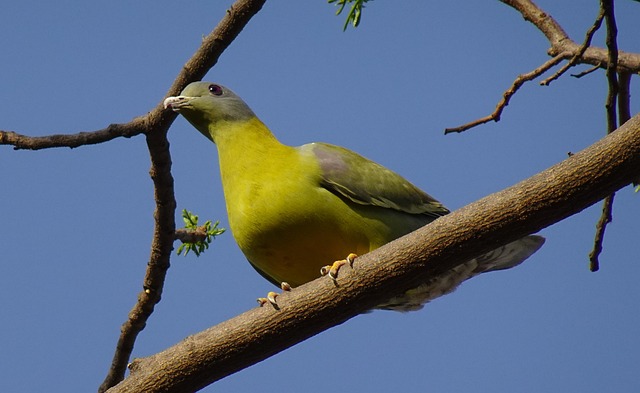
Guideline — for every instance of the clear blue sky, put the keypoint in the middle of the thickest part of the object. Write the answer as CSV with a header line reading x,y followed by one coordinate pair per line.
x,y
76,224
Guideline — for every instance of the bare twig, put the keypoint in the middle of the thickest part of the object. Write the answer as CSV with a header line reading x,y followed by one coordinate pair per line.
x,y
195,235
562,44
624,97
607,10
574,60
164,230
605,218
199,64
612,64
506,96
136,127
562,48
155,125
587,71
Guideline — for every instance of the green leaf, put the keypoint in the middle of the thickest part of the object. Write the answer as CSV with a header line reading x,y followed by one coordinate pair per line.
x,y
191,223
355,13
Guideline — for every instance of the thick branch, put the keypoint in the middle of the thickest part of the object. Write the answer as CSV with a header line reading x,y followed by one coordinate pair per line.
x,y
546,198
543,21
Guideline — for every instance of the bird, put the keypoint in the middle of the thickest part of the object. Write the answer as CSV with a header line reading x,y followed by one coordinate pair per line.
x,y
292,210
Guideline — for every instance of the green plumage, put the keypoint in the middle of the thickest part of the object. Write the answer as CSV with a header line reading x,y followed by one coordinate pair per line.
x,y
293,210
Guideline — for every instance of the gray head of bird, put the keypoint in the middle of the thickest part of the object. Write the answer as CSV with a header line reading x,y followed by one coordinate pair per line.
x,y
205,105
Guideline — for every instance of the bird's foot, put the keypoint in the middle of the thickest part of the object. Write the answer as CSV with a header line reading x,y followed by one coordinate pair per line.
x,y
271,296
332,270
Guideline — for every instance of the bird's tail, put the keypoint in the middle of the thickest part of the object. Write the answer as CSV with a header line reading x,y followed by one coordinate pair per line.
x,y
509,255
505,257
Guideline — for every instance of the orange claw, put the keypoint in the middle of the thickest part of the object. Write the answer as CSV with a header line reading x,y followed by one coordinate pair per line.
x,y
350,258
271,298
332,270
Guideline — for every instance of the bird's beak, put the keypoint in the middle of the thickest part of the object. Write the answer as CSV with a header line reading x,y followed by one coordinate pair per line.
x,y
177,102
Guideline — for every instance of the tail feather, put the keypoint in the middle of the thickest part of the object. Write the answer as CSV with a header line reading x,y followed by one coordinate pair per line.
x,y
505,257
509,255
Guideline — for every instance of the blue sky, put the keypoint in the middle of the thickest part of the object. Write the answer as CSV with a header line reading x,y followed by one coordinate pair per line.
x,y
75,225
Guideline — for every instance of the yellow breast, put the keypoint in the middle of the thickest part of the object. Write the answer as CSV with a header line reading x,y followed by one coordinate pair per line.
x,y
286,224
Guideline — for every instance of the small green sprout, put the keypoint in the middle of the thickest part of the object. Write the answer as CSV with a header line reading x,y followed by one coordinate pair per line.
x,y
196,238
355,13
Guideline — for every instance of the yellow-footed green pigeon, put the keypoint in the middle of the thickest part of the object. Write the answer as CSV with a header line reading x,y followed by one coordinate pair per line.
x,y
293,210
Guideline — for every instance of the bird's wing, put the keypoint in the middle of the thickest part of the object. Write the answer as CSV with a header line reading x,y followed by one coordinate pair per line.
x,y
365,182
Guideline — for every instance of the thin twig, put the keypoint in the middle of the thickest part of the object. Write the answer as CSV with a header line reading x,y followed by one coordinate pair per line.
x,y
574,60
562,47
195,235
164,230
612,123
624,97
612,65
506,96
605,218
126,130
587,71
561,43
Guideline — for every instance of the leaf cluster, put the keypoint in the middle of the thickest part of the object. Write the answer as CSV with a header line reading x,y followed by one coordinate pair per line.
x,y
205,233
355,12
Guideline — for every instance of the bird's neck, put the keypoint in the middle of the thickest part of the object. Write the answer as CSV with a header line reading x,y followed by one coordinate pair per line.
x,y
249,154
246,141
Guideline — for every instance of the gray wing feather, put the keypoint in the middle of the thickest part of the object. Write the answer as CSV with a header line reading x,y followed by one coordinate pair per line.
x,y
365,182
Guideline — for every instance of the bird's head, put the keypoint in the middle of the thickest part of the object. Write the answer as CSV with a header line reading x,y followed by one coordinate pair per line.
x,y
206,105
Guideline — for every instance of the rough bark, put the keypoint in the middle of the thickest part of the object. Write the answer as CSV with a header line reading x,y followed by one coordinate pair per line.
x,y
542,200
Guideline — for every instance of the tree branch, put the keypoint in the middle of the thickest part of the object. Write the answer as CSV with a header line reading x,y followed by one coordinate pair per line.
x,y
562,44
624,103
607,10
624,97
546,198
586,72
605,218
238,15
158,122
539,18
506,96
612,64
562,48
574,60
135,127
198,234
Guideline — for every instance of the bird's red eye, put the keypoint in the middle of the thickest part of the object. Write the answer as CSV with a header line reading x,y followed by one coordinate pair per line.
x,y
215,90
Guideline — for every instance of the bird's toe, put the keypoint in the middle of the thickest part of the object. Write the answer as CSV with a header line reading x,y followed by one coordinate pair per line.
x,y
332,270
